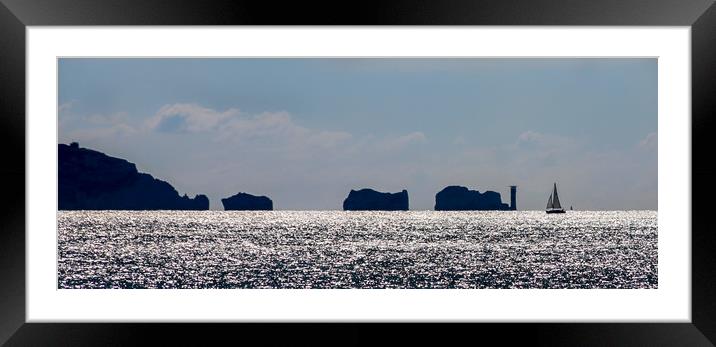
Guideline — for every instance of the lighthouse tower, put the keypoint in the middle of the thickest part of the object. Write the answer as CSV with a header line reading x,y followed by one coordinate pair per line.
x,y
513,198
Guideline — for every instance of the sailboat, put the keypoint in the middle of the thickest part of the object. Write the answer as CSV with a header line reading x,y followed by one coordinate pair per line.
x,y
553,205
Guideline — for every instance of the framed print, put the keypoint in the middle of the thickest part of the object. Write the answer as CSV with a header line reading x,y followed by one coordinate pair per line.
x,y
389,167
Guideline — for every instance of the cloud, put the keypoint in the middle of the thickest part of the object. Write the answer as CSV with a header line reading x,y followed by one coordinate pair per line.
x,y
232,125
650,142
63,115
264,124
278,129
94,126
189,118
65,107
267,131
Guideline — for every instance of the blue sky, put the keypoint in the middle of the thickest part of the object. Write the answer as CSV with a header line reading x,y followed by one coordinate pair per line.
x,y
306,131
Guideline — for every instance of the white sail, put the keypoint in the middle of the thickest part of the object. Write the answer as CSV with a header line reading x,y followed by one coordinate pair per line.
x,y
555,202
549,202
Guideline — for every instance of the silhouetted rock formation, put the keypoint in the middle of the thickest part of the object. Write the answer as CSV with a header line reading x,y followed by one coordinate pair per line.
x,y
457,198
369,199
247,202
91,180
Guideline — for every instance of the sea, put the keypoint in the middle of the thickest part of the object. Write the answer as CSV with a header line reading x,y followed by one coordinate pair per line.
x,y
364,250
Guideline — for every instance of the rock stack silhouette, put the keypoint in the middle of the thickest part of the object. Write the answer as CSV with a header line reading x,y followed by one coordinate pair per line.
x,y
91,180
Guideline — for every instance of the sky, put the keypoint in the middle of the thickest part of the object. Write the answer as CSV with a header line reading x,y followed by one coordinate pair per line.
x,y
305,131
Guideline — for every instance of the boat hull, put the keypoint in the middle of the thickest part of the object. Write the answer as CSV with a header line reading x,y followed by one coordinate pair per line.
x,y
556,211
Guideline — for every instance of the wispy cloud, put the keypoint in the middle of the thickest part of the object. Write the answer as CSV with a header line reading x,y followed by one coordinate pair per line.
x,y
65,107
650,142
233,125
189,118
94,126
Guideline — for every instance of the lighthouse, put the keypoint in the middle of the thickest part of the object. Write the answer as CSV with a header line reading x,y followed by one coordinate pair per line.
x,y
513,198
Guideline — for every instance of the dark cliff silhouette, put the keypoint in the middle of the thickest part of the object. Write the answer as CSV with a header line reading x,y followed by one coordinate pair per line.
x,y
369,199
457,198
247,202
91,180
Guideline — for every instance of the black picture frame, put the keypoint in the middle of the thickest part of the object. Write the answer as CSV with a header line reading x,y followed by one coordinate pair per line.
x,y
15,15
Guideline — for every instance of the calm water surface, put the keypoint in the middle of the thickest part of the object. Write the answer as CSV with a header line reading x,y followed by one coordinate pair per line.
x,y
336,249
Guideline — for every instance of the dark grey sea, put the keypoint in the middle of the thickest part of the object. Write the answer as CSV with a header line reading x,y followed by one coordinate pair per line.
x,y
336,249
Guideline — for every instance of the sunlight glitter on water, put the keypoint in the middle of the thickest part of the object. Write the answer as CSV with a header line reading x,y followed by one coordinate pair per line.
x,y
336,249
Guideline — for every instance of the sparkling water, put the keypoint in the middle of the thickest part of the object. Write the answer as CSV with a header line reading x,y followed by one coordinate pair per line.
x,y
336,249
